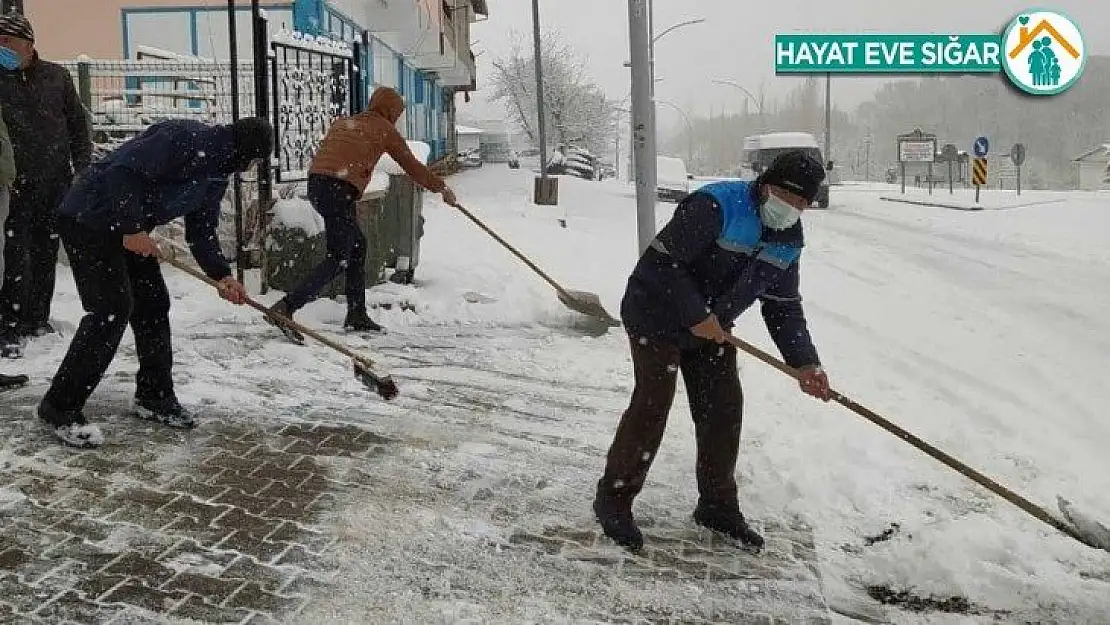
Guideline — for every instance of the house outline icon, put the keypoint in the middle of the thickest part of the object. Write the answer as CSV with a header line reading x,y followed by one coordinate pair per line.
x,y
1025,37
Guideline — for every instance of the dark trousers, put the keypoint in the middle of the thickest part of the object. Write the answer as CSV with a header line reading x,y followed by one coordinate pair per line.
x,y
116,288
30,255
335,200
716,404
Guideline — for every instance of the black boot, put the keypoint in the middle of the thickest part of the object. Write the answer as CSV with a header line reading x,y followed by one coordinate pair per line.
x,y
12,382
167,411
615,516
282,308
728,520
70,427
11,345
358,321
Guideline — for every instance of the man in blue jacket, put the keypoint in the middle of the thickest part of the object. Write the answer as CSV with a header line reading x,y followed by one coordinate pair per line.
x,y
176,168
728,245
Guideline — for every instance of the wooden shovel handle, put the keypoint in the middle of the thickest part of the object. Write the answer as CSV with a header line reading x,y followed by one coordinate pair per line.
x,y
1029,507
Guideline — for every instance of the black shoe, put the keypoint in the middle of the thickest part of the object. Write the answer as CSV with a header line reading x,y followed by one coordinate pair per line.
x,y
358,321
70,427
166,411
12,382
282,309
728,520
11,346
615,517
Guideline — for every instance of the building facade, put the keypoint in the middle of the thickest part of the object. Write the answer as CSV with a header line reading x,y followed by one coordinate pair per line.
x,y
419,47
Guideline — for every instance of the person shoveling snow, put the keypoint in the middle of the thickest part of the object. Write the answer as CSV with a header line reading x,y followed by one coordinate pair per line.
x,y
340,171
728,244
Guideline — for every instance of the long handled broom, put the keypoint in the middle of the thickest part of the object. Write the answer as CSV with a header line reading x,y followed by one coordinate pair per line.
x,y
364,368
1077,525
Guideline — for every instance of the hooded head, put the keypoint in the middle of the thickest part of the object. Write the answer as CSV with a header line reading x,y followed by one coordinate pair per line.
x,y
253,138
17,41
387,103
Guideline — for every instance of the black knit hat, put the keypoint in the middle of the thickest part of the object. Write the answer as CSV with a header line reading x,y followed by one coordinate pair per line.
x,y
796,171
15,25
254,138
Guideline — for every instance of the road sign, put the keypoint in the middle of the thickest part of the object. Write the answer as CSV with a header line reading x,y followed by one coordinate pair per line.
x,y
917,151
979,172
982,146
950,153
1017,154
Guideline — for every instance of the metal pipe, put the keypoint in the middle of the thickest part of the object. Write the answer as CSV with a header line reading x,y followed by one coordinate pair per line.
x,y
539,90
237,186
643,144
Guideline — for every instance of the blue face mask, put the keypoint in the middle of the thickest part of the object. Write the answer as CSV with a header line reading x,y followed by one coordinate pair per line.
x,y
9,59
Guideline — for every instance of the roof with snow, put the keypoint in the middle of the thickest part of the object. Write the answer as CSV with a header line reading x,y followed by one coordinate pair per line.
x,y
468,130
1098,154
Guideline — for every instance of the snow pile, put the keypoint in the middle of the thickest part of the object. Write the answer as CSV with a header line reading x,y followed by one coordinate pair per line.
x,y
297,214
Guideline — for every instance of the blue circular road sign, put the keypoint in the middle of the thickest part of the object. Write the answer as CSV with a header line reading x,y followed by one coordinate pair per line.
x,y
981,146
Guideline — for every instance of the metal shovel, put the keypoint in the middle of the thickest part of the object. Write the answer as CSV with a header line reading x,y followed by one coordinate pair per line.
x,y
579,301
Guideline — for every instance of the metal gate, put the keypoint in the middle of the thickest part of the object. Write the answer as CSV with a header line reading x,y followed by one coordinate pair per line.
x,y
313,81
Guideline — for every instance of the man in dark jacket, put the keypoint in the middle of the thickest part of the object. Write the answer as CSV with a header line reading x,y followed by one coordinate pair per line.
x,y
50,134
728,245
176,168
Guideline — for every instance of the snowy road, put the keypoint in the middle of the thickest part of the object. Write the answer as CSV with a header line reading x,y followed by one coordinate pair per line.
x,y
983,332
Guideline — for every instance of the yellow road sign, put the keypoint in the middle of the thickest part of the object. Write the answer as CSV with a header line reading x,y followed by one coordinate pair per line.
x,y
979,172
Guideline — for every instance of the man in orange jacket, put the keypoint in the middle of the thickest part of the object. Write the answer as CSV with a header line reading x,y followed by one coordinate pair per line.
x,y
340,171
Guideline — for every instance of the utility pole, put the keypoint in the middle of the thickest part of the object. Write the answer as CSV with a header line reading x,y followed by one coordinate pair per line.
x,y
828,117
546,192
643,140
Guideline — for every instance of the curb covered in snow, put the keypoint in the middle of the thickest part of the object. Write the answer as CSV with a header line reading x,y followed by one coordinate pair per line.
x,y
964,207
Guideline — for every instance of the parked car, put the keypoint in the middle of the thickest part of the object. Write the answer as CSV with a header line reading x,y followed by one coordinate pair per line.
x,y
574,161
470,158
514,161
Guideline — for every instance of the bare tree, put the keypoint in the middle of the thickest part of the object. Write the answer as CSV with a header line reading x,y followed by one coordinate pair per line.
x,y
575,108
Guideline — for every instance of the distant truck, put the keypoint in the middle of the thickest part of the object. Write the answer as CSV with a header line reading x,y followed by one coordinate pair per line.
x,y
761,150
672,181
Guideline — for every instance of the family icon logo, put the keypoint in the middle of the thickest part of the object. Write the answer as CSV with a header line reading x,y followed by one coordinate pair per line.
x,y
1044,52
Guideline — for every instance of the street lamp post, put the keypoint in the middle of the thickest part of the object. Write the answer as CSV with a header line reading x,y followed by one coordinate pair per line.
x,y
758,102
546,192
643,139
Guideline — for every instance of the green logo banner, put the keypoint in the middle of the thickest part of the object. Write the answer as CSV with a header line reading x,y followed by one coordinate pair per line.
x,y
887,54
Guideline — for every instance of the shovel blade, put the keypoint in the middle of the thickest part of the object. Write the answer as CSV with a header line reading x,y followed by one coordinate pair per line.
x,y
1093,533
588,304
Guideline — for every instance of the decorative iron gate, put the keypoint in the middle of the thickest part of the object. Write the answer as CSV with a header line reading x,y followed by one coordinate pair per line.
x,y
313,81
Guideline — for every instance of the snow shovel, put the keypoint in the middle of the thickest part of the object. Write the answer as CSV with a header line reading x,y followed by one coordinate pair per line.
x,y
364,368
1078,526
588,304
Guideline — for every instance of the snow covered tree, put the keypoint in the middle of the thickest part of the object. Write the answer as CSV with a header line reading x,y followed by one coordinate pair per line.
x,y
575,108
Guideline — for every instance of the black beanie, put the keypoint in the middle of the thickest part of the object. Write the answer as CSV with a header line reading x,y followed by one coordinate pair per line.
x,y
796,171
254,138
15,25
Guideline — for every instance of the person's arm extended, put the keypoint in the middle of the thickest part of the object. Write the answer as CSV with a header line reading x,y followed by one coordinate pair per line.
x,y
398,148
786,321
202,237
77,126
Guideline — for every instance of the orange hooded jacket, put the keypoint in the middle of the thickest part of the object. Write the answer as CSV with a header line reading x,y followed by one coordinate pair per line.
x,y
354,145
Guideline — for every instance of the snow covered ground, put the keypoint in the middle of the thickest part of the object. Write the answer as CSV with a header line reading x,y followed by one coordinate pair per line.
x,y
984,332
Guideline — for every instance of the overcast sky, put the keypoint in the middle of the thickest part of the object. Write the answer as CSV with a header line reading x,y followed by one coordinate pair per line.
x,y
736,42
